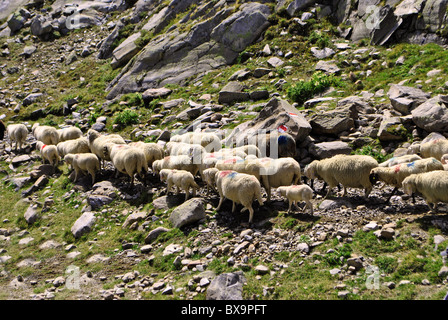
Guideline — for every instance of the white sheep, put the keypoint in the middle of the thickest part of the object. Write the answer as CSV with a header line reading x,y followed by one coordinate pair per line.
x,y
97,143
48,152
80,145
349,170
249,149
395,175
296,193
17,133
209,160
208,176
181,179
69,133
181,162
152,151
209,140
195,151
82,163
47,134
435,148
126,159
239,188
431,185
401,159
279,172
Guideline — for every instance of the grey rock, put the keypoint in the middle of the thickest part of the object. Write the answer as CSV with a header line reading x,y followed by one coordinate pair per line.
x,y
31,214
233,92
31,98
187,213
226,286
432,115
174,57
327,67
40,26
153,234
166,202
134,217
274,114
324,150
386,25
28,51
151,94
322,53
404,99
391,129
298,5
334,121
16,161
83,225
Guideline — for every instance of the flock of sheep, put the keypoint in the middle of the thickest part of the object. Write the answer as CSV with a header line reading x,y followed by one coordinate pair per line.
x,y
238,173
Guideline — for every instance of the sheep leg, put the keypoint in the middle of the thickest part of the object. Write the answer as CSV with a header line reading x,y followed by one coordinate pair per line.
x,y
187,193
310,206
233,206
391,194
290,205
221,199
251,214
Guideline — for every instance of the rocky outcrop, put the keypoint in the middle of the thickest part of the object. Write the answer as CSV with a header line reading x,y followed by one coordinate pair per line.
x,y
175,56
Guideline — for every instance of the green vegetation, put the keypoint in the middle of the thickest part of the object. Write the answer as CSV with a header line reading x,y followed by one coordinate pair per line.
x,y
305,90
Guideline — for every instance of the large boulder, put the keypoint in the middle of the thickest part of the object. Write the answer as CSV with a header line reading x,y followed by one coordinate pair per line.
x,y
277,115
335,121
432,115
233,92
404,98
187,213
324,150
40,26
172,57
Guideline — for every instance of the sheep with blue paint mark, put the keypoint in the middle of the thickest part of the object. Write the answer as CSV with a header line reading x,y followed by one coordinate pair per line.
x,y
273,144
401,159
240,188
395,175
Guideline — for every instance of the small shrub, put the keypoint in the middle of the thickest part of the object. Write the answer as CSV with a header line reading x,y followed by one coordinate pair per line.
x,y
126,117
305,90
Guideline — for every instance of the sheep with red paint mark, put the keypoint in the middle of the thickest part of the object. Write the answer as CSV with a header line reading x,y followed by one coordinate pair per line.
x,y
395,175
48,152
435,148
240,188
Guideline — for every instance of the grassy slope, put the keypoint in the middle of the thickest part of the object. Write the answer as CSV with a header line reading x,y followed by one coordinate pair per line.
x,y
304,277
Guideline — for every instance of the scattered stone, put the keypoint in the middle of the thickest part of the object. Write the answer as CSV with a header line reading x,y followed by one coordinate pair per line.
x,y
153,234
83,225
226,286
187,213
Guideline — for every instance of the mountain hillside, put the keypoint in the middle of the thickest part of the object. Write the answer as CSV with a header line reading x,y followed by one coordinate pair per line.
x,y
363,77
